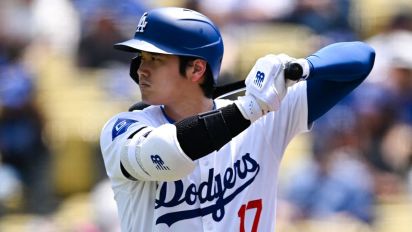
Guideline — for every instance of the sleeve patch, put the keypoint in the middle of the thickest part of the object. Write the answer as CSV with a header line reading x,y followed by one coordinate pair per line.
x,y
121,126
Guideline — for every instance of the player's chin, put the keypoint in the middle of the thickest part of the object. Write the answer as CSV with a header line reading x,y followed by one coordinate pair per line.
x,y
145,91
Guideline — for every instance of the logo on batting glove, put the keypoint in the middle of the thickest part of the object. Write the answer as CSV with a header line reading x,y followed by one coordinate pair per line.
x,y
259,78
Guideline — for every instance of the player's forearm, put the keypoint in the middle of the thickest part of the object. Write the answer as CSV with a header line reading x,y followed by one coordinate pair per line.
x,y
346,61
199,136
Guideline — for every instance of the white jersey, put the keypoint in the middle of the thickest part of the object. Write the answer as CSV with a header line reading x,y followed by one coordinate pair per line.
x,y
233,189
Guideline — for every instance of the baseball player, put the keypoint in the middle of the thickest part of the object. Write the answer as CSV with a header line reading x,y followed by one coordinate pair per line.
x,y
191,163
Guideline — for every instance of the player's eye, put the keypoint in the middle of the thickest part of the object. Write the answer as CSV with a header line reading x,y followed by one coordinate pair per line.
x,y
149,57
156,58
143,58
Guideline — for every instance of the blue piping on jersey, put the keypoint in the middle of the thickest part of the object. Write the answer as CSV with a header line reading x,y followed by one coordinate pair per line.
x,y
169,119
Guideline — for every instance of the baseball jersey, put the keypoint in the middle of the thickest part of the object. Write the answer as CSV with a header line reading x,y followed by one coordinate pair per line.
x,y
232,189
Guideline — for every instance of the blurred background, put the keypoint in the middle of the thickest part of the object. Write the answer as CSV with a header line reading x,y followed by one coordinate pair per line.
x,y
61,80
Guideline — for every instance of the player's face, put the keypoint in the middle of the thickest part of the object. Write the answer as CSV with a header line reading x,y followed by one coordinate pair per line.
x,y
159,79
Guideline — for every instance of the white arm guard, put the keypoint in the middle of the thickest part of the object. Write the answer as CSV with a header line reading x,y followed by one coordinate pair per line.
x,y
157,157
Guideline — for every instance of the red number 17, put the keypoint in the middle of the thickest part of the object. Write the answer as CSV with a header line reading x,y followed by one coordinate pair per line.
x,y
255,204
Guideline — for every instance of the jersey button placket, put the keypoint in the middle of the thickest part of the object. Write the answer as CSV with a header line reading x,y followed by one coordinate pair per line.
x,y
207,223
205,166
209,226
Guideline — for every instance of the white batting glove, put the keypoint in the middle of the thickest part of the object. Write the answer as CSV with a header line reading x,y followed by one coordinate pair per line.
x,y
265,87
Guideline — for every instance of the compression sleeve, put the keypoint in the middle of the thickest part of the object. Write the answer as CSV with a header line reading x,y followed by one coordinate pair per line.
x,y
335,71
230,123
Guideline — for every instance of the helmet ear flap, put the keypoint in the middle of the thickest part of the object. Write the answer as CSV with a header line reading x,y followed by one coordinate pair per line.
x,y
134,66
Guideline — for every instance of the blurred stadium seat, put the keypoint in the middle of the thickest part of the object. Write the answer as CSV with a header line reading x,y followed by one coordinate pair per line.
x,y
371,16
256,40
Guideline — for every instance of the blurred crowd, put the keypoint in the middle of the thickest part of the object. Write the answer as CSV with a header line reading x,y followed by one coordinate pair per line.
x,y
56,53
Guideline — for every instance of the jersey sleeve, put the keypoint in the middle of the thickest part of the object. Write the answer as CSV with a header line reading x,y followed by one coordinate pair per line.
x,y
281,126
336,70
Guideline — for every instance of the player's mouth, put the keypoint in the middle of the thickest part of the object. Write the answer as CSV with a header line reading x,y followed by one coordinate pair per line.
x,y
143,84
143,81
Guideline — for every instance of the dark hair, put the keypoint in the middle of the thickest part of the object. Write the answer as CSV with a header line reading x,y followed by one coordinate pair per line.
x,y
207,85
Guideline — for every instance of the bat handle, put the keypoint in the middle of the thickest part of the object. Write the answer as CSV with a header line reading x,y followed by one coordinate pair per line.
x,y
293,71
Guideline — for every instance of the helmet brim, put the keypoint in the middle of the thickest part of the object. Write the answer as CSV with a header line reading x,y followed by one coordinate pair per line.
x,y
134,45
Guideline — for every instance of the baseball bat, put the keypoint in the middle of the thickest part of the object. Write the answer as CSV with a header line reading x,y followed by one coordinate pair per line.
x,y
293,71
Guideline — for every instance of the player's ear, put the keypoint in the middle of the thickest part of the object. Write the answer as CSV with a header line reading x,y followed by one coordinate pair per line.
x,y
197,69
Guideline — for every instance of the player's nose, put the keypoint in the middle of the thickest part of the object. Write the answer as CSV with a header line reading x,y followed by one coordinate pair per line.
x,y
143,70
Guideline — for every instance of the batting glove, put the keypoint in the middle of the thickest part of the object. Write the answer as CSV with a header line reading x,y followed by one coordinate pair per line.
x,y
265,87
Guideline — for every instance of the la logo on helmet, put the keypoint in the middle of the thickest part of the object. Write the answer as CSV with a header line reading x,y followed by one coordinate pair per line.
x,y
142,23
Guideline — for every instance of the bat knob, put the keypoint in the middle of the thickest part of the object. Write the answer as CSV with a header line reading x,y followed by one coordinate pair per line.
x,y
293,71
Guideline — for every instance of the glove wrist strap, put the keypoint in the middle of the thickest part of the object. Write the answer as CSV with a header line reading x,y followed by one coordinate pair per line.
x,y
249,107
304,63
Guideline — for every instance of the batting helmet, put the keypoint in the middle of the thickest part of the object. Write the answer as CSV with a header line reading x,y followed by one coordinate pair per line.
x,y
178,31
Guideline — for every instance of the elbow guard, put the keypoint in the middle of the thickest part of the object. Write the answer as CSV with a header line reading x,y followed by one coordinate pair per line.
x,y
156,157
